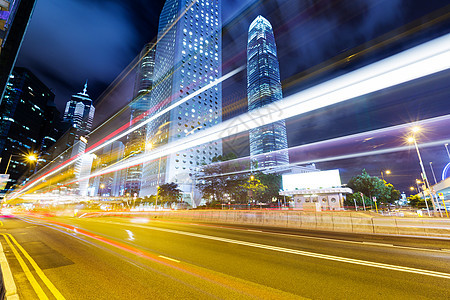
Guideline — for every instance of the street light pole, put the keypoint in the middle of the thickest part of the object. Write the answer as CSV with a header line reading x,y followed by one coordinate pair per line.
x,y
432,171
30,158
418,191
424,174
446,148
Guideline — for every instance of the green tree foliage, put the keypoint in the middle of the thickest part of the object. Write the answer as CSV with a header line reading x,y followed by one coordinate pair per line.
x,y
220,178
372,186
254,187
273,182
416,201
229,177
168,192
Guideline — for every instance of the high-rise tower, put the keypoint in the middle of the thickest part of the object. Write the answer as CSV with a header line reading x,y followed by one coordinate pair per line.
x,y
264,87
79,114
188,57
139,109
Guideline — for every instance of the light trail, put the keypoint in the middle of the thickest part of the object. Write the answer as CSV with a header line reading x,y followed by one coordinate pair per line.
x,y
420,61
417,62
130,130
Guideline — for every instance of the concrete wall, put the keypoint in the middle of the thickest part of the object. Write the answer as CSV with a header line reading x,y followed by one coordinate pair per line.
x,y
355,222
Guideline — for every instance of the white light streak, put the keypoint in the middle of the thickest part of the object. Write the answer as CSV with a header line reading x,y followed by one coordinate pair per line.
x,y
417,62
420,61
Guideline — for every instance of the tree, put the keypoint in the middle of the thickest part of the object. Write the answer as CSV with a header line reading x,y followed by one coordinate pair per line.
x,y
168,192
372,186
416,201
255,188
222,176
273,183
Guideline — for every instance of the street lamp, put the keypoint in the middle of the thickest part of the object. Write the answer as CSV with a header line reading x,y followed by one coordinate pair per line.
x,y
387,172
418,191
412,139
30,158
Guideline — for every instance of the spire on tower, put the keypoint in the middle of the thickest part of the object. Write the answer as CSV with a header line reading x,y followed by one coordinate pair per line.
x,y
85,88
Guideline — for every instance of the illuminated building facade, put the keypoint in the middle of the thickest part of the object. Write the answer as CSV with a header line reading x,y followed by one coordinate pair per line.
x,y
78,116
264,87
14,19
188,57
110,184
80,112
23,120
139,109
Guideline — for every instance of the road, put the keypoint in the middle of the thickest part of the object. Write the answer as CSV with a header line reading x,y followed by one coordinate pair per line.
x,y
140,258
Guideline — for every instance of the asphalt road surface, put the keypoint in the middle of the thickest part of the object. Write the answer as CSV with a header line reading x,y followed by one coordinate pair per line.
x,y
141,258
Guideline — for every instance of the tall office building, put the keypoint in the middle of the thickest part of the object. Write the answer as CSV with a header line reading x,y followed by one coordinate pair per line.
x,y
264,87
15,16
139,109
80,112
110,184
24,120
188,57
78,116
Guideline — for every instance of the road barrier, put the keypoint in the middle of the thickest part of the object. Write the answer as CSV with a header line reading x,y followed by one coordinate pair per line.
x,y
355,222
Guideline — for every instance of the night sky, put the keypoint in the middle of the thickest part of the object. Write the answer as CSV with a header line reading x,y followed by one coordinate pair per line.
x,y
69,41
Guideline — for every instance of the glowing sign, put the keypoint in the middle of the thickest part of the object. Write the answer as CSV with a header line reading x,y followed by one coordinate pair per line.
x,y
313,180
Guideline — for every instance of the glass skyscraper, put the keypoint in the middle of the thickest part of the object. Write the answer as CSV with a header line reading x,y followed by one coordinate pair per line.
x,y
188,57
264,87
79,113
139,109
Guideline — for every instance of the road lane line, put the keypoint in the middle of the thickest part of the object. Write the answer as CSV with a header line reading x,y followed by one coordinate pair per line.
x,y
303,253
8,279
168,258
39,271
302,236
37,288
378,244
1,223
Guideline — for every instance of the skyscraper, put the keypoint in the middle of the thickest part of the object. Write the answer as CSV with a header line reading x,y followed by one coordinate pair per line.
x,y
23,120
139,108
188,57
14,19
78,116
264,87
80,112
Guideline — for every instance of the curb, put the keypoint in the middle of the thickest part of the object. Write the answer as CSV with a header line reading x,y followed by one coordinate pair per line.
x,y
8,280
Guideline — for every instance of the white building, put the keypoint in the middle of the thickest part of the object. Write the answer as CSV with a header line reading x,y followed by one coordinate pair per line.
x,y
315,191
188,57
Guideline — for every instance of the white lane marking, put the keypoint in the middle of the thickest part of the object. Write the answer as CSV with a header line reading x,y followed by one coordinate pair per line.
x,y
252,230
313,238
130,235
168,258
336,240
303,253
378,244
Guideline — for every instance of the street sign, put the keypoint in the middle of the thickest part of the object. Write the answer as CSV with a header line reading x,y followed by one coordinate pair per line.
x,y
374,199
3,180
